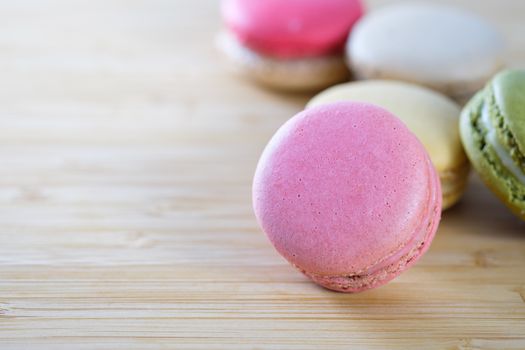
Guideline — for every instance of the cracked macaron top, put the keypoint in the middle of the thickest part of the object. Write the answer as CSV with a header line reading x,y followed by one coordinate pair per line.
x,y
348,195
493,132
291,29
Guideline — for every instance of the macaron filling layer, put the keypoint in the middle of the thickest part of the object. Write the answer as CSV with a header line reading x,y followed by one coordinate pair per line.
x,y
485,157
389,267
492,139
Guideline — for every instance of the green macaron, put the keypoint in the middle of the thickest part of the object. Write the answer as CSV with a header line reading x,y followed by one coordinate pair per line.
x,y
492,128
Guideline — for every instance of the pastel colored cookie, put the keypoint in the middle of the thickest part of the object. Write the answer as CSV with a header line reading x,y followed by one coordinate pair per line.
x,y
293,28
292,44
444,48
493,133
348,195
432,117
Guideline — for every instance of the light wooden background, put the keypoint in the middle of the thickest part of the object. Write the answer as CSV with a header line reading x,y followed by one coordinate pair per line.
x,y
126,154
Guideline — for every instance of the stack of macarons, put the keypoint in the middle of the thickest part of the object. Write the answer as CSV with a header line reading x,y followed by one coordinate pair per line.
x,y
350,191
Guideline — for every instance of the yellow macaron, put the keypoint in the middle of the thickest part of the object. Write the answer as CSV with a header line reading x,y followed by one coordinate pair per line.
x,y
431,116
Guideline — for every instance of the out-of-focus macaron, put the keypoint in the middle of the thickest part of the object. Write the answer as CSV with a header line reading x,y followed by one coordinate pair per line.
x,y
493,132
348,195
442,47
292,44
432,117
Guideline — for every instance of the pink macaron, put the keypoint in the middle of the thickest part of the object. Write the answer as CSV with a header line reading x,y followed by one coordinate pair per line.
x,y
292,28
279,42
348,195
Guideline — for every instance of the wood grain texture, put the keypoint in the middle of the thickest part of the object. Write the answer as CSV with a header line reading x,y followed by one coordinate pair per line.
x,y
127,152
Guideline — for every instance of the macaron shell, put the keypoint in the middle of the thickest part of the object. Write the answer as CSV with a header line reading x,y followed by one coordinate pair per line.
x,y
401,42
342,187
308,74
292,28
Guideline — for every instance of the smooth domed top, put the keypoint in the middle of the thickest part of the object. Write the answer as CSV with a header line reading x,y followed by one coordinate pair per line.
x,y
427,42
292,28
341,186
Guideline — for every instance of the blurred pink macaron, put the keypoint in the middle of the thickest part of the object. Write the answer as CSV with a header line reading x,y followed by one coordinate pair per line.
x,y
292,44
348,195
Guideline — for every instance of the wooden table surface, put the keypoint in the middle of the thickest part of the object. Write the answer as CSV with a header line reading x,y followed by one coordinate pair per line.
x,y
127,152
